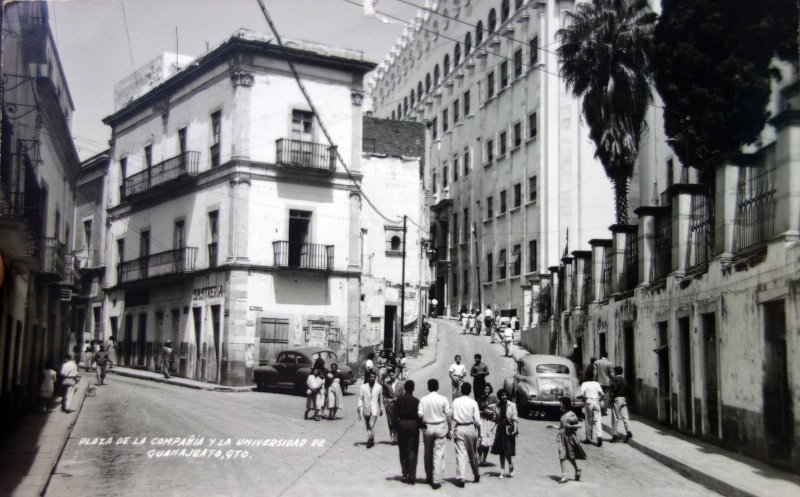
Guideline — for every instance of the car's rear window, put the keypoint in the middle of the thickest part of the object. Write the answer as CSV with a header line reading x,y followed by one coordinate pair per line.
x,y
552,368
326,355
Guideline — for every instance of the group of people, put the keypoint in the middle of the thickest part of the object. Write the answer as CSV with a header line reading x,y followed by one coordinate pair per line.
x,y
604,385
471,323
324,391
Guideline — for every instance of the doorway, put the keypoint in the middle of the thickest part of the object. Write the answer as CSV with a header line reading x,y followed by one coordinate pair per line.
x,y
685,336
142,340
390,316
711,366
198,342
128,339
629,364
778,426
299,228
664,383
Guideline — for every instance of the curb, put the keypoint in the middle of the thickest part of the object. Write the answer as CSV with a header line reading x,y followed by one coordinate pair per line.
x,y
210,388
689,472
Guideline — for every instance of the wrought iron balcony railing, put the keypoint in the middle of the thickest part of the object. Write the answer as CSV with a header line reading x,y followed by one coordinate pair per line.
x,y
305,154
164,263
303,255
171,169
22,190
53,257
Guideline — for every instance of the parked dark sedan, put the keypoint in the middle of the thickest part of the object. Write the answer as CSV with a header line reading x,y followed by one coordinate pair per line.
x,y
539,381
292,367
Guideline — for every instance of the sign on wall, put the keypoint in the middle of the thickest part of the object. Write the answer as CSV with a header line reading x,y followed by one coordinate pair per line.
x,y
207,292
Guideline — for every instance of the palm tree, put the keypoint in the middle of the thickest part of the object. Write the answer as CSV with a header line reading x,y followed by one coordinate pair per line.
x,y
604,55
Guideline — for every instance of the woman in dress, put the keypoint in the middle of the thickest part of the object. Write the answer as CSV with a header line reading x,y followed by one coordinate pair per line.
x,y
505,439
486,403
333,386
315,395
111,348
569,447
381,365
402,367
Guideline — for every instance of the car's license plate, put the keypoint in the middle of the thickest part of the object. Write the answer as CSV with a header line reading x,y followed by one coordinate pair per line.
x,y
557,391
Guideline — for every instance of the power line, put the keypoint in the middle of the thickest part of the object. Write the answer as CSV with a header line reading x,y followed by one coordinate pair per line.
x,y
316,114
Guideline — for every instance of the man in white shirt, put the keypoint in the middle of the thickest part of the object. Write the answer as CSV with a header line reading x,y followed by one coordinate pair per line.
x,y
457,373
488,320
69,374
592,392
467,420
370,405
434,410
508,339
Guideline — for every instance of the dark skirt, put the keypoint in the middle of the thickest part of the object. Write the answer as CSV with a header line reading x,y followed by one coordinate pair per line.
x,y
504,444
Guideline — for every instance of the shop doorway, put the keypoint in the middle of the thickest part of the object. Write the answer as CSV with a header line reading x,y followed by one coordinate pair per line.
x,y
199,363
664,384
711,366
141,340
778,417
128,339
390,316
685,337
630,364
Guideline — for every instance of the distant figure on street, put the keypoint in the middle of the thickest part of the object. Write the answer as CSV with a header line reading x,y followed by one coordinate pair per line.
x,y
319,363
505,439
406,411
603,371
473,313
434,409
101,361
467,421
370,405
508,340
111,348
619,406
423,333
369,365
487,402
592,392
488,320
588,374
464,319
434,307
457,373
333,390
575,356
315,396
88,357
392,390
47,386
569,448
69,376
402,367
479,371
166,358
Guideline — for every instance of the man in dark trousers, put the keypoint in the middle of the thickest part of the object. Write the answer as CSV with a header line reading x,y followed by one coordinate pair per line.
x,y
406,409
479,371
603,372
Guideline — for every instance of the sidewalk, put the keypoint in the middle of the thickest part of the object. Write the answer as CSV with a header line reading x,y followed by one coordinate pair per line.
x,y
157,377
714,467
30,453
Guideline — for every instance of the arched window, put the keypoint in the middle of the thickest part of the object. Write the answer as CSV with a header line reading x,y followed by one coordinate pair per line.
x,y
395,243
479,33
467,44
419,89
411,99
457,54
436,75
504,11
446,64
492,24
428,83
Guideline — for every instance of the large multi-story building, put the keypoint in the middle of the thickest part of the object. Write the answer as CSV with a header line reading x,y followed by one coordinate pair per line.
x,y
511,175
39,168
234,229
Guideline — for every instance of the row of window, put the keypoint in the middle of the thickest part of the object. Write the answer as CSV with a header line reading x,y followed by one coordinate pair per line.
x,y
503,265
415,96
503,206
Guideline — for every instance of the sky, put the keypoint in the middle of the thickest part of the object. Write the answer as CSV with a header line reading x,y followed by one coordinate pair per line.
x,y
92,40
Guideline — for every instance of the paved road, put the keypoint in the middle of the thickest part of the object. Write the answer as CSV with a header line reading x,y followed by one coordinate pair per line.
x,y
341,465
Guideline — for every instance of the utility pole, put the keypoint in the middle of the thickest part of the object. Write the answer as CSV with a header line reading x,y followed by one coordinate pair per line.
x,y
399,338
477,266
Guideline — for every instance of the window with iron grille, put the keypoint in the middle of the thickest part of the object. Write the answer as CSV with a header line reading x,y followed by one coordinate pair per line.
x,y
455,111
532,253
456,168
532,126
504,74
701,229
503,143
517,137
517,195
532,189
755,208
605,272
533,47
216,137
501,265
489,267
490,85
466,224
518,63
662,253
489,207
516,260
445,176
466,162
435,127
455,229
445,123
502,202
631,261
466,103
489,151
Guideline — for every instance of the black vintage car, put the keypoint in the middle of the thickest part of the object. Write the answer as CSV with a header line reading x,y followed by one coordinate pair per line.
x,y
292,367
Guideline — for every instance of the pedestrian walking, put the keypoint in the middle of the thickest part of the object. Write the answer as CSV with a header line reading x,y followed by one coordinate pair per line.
x,y
88,357
315,396
569,448
101,361
406,411
333,390
381,365
47,386
603,372
508,339
434,307
471,319
467,426
370,405
457,374
69,378
575,357
487,403
592,392
619,406
479,371
488,320
434,409
588,374
392,390
464,319
423,333
166,358
402,367
111,348
505,440
369,365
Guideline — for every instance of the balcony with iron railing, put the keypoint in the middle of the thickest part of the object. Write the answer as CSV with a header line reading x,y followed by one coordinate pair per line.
x,y
305,154
296,255
53,257
170,262
166,172
22,194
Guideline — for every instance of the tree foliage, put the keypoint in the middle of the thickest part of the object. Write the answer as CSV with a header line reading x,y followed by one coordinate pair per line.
x,y
605,50
711,65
